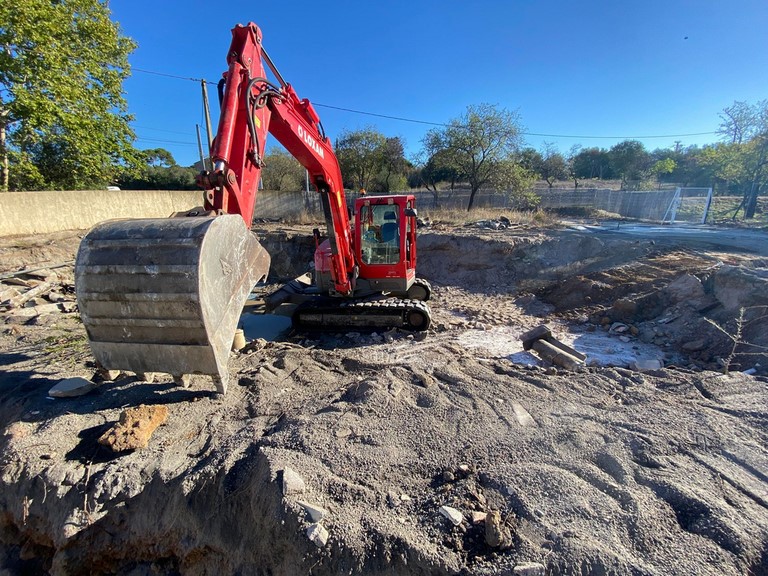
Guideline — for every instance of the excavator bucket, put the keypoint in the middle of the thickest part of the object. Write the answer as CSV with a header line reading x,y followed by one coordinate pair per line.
x,y
165,295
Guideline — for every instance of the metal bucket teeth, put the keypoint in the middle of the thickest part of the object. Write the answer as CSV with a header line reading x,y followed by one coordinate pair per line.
x,y
165,295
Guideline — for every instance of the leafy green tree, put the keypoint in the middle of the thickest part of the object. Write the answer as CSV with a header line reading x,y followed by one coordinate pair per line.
x,y
629,160
282,172
553,164
663,167
592,163
479,146
394,166
569,164
531,159
159,157
361,156
63,120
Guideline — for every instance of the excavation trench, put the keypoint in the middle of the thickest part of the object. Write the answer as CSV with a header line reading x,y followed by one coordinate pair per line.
x,y
599,470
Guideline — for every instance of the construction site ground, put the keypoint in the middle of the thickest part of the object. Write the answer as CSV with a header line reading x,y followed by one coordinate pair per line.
x,y
453,451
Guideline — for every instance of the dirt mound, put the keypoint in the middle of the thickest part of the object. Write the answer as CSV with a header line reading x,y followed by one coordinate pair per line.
x,y
340,453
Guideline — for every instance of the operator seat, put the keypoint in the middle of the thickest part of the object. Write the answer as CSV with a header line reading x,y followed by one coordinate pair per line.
x,y
389,230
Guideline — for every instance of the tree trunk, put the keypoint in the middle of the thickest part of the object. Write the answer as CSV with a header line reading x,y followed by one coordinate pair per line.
x,y
751,201
472,198
4,165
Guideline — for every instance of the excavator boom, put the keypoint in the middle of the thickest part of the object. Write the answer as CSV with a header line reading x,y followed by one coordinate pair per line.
x,y
165,295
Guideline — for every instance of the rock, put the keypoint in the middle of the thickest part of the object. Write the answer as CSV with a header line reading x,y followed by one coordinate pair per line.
x,y
292,482
529,569
695,345
71,388
618,328
522,415
496,534
315,513
453,515
7,294
318,535
13,330
478,517
684,289
646,364
56,297
109,375
738,287
135,428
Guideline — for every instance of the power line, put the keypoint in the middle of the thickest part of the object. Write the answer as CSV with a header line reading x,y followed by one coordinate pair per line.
x,y
523,133
443,124
621,137
133,69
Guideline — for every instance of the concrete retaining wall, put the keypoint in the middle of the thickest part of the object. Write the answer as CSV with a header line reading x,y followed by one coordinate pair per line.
x,y
42,212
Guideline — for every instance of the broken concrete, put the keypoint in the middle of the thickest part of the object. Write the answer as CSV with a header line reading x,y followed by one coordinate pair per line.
x,y
72,388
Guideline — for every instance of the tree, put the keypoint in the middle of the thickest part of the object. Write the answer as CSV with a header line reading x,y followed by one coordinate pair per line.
x,y
282,172
662,167
553,164
361,156
592,163
63,119
629,160
479,146
531,159
159,171
569,164
745,157
739,121
394,165
158,157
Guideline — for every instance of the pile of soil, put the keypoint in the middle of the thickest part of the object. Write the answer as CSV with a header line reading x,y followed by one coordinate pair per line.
x,y
340,452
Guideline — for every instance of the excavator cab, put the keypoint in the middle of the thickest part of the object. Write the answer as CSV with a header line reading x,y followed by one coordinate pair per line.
x,y
385,244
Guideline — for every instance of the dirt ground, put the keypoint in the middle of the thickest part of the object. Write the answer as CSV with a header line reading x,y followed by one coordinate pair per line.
x,y
337,453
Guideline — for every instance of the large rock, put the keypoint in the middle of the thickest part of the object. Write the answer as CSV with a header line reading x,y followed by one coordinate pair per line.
x,y
685,289
135,428
736,287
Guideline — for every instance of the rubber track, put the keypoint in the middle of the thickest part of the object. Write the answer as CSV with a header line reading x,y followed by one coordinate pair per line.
x,y
334,315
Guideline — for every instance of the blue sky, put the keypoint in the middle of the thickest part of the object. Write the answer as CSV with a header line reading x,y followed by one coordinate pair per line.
x,y
571,68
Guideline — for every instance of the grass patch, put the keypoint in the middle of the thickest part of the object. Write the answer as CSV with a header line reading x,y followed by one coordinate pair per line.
x,y
460,217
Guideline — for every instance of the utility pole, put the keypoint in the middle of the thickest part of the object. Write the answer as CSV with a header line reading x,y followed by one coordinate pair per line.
x,y
207,111
200,147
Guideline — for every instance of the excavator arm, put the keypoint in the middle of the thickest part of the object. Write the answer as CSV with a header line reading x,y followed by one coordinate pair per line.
x,y
165,294
252,106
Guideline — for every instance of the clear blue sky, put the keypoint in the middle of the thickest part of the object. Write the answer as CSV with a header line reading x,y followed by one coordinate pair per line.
x,y
590,68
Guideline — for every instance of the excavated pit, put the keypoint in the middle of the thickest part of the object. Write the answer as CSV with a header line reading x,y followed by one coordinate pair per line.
x,y
604,470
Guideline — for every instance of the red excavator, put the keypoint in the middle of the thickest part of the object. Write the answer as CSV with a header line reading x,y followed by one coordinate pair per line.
x,y
165,295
